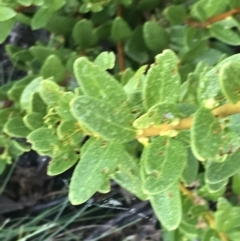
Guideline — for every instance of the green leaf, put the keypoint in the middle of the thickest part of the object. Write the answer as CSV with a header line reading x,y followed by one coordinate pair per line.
x,y
53,67
195,35
148,5
219,171
26,3
50,92
6,28
41,18
205,9
167,207
204,192
4,140
33,120
14,93
62,162
42,139
210,233
234,235
69,131
54,5
36,104
7,114
163,80
230,89
235,183
162,164
60,25
234,3
125,2
24,81
195,51
156,115
41,53
175,14
135,46
126,76
120,29
6,13
4,89
205,134
96,82
135,83
63,108
191,170
105,60
105,187
128,176
103,119
16,149
177,37
23,19
92,6
155,37
228,36
216,187
97,160
31,88
224,209
83,34
15,127
18,56
188,225
2,165
169,235
209,86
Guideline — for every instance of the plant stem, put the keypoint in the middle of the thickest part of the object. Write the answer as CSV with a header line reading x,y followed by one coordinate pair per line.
x,y
213,20
120,53
186,123
208,214
186,192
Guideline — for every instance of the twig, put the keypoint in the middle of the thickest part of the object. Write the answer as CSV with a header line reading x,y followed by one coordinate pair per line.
x,y
208,215
120,53
211,222
186,192
186,123
213,20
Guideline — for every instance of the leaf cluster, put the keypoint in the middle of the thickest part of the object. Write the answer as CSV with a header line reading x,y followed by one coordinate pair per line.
x,y
164,118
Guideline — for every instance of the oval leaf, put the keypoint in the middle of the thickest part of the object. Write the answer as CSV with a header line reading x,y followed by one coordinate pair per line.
x,y
205,134
62,162
15,127
96,82
220,171
163,162
231,89
42,139
162,80
53,67
97,159
167,207
103,119
155,37
6,13
105,60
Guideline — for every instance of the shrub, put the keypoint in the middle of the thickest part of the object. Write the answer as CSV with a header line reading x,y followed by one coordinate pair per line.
x,y
162,122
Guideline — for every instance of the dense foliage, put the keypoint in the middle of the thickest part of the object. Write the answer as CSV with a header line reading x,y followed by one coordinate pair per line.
x,y
163,121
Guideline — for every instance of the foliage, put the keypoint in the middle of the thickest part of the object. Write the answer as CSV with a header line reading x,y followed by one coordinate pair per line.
x,y
162,122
